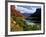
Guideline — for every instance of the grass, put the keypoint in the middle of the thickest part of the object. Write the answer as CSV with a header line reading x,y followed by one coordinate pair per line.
x,y
18,24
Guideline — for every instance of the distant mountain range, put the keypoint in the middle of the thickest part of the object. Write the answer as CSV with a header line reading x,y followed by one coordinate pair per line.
x,y
35,14
27,14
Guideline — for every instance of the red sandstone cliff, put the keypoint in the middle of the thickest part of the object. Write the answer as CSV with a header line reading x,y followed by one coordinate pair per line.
x,y
14,12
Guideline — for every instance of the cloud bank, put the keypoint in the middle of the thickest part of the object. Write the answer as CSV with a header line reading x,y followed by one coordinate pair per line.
x,y
26,10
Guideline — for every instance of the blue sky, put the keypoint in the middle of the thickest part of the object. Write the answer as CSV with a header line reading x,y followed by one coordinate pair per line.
x,y
26,9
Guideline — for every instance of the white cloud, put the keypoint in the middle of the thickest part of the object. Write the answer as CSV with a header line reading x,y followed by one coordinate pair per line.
x,y
25,10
